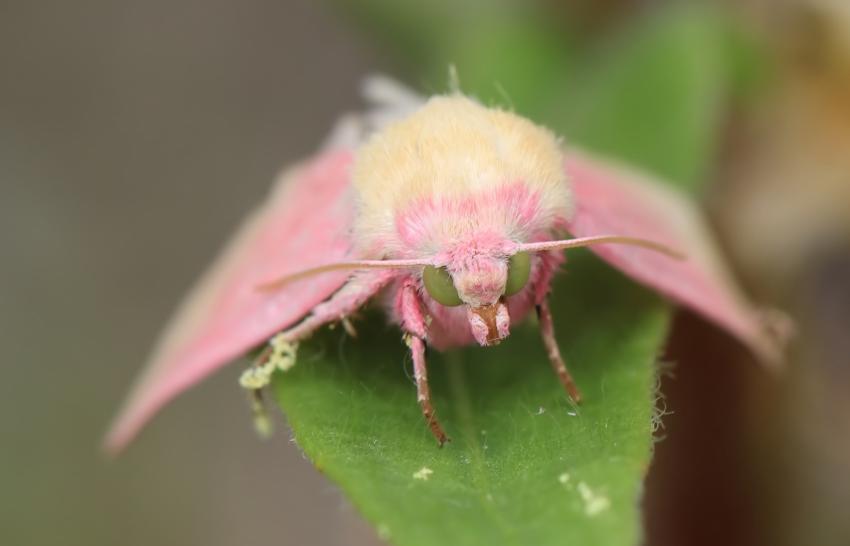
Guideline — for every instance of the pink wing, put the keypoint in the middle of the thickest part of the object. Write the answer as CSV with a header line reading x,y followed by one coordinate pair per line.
x,y
304,223
615,200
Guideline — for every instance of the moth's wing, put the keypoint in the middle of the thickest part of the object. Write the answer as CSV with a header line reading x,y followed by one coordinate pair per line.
x,y
305,222
611,199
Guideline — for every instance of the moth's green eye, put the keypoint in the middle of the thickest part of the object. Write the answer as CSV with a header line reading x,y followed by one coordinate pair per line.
x,y
438,283
519,267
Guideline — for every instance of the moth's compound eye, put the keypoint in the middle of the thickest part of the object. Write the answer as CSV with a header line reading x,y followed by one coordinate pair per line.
x,y
438,283
519,267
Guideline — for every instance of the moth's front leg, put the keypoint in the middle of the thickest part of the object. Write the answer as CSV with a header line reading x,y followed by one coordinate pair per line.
x,y
409,309
351,297
281,350
547,331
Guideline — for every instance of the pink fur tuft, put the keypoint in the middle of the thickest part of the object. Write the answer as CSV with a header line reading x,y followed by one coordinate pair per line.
x,y
428,225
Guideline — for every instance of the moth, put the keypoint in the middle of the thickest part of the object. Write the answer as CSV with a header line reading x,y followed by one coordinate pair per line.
x,y
456,216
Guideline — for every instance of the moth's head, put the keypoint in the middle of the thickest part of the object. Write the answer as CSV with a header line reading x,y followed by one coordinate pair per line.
x,y
480,275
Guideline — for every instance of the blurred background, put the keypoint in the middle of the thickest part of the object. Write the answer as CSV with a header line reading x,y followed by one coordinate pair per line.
x,y
135,135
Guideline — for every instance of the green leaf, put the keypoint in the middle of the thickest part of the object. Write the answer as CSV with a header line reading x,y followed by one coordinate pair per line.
x,y
522,469
656,98
428,34
524,466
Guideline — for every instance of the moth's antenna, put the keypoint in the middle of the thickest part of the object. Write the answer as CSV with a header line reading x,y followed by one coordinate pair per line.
x,y
603,239
454,80
356,265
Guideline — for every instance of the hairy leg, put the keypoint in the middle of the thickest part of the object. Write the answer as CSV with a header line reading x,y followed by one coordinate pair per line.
x,y
409,310
346,301
281,351
423,392
547,331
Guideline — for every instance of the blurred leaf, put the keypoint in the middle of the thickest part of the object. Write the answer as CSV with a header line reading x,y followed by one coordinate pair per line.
x,y
524,466
654,96
428,34
518,64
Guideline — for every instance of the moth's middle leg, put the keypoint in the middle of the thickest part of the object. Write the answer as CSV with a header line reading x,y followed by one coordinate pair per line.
x,y
409,310
547,331
423,392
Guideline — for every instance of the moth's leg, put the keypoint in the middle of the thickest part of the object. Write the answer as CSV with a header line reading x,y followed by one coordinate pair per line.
x,y
342,304
255,378
548,332
414,323
408,309
262,422
280,354
423,392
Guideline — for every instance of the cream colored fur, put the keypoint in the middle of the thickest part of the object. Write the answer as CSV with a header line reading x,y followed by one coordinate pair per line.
x,y
452,146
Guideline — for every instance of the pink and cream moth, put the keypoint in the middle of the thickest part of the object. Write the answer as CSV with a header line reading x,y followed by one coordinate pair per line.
x,y
456,216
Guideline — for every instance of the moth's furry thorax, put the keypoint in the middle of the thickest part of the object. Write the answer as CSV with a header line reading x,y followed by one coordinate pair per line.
x,y
452,170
